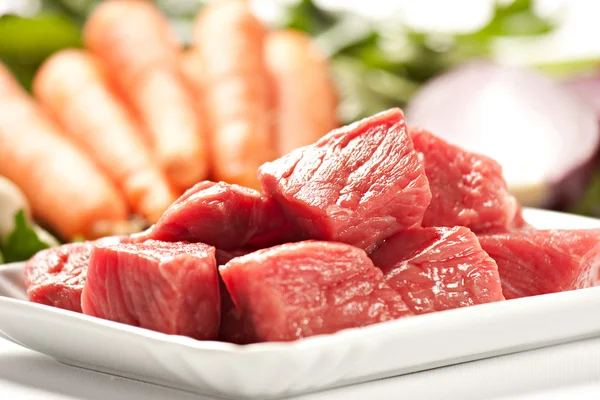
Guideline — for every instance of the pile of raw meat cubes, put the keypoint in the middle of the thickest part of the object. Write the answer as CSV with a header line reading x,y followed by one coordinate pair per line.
x,y
372,223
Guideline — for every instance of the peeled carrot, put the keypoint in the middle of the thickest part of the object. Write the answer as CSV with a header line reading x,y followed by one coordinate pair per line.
x,y
66,190
72,86
135,41
305,92
191,66
230,41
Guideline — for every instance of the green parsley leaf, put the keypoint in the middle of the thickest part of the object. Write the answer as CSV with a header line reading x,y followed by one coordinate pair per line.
x,y
23,242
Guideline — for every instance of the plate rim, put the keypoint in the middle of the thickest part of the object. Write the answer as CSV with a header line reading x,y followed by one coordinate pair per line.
x,y
305,343
13,304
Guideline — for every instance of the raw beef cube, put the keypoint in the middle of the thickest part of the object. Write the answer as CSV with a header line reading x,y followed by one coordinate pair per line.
x,y
517,224
436,269
467,189
358,184
223,215
545,261
171,288
309,288
286,231
234,328
223,257
55,277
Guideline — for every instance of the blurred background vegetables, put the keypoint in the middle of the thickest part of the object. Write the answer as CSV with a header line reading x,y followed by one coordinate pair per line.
x,y
238,94
385,58
377,63
543,135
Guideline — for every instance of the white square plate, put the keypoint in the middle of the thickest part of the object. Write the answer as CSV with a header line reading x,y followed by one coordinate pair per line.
x,y
271,370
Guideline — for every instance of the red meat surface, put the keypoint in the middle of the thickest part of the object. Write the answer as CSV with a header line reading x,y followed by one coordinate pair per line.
x,y
309,288
358,184
545,261
467,189
224,256
171,288
222,215
436,269
55,277
234,328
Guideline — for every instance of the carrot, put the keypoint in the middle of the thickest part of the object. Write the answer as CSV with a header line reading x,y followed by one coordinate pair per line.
x,y
73,88
66,190
134,40
230,41
306,94
191,67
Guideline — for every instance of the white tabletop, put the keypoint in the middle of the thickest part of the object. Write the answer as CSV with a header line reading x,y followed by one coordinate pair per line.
x,y
569,371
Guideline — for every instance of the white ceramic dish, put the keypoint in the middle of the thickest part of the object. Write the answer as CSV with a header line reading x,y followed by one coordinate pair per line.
x,y
272,370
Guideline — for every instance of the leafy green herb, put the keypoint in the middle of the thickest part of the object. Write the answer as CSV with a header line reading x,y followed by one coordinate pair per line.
x,y
23,242
37,38
378,66
26,42
516,19
1,258
306,16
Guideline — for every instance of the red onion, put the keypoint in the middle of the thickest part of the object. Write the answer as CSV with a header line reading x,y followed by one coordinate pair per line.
x,y
542,134
588,89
